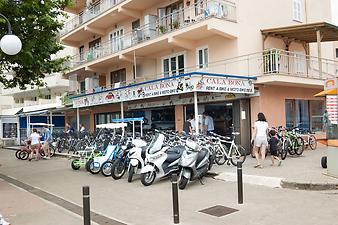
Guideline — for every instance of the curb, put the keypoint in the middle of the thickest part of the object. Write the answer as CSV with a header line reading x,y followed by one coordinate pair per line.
x,y
308,186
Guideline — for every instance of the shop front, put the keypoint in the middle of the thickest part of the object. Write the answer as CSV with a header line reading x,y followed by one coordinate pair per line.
x,y
166,103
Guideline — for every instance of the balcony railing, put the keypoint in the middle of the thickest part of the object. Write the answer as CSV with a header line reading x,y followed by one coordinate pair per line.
x,y
89,13
180,19
268,63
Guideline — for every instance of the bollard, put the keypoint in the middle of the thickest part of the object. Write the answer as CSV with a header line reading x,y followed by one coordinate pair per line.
x,y
240,182
86,205
176,212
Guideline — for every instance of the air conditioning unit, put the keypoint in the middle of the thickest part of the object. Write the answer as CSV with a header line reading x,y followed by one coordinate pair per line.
x,y
150,23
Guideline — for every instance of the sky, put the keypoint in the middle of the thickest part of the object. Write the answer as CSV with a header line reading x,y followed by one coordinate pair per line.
x,y
334,11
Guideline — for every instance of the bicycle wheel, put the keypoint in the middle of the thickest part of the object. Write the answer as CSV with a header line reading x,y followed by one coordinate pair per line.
x,y
290,146
284,150
312,142
220,156
299,146
237,156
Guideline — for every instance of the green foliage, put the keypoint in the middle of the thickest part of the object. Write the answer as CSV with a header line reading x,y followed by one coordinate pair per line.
x,y
36,23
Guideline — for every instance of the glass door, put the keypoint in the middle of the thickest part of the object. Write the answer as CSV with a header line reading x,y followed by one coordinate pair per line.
x,y
116,40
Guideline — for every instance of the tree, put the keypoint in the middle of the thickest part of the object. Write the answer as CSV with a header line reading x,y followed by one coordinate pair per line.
x,y
36,23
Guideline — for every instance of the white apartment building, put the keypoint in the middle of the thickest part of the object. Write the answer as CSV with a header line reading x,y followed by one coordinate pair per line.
x,y
32,105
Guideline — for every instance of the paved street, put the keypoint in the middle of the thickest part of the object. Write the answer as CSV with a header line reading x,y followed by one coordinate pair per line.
x,y
135,204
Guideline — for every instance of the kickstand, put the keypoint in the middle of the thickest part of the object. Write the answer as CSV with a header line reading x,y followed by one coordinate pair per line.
x,y
201,181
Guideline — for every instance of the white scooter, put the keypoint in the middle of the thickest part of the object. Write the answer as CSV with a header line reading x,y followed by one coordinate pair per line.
x,y
194,163
136,156
160,161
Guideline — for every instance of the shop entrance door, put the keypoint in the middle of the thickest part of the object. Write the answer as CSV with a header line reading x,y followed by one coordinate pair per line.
x,y
222,114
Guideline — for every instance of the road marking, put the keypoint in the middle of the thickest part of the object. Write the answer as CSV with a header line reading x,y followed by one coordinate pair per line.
x,y
95,217
274,182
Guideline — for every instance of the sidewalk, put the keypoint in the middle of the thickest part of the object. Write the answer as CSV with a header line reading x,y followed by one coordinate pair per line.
x,y
20,207
135,204
297,172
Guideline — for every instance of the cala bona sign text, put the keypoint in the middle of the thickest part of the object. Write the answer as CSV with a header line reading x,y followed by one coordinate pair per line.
x,y
193,82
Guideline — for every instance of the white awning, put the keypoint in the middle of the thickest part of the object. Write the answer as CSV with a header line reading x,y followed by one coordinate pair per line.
x,y
10,112
39,109
111,125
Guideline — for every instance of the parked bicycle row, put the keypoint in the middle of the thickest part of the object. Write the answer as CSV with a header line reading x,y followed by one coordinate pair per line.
x,y
158,156
291,141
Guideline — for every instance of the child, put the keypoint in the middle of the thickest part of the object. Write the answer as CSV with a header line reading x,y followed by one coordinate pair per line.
x,y
273,147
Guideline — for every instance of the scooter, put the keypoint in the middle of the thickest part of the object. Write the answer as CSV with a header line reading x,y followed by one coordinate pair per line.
x,y
136,156
160,162
194,163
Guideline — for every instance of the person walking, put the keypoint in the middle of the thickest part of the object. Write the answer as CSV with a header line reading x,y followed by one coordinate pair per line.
x,y
35,145
47,137
208,123
260,139
273,142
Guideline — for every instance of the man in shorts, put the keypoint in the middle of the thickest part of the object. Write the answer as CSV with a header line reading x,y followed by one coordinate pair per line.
x,y
47,141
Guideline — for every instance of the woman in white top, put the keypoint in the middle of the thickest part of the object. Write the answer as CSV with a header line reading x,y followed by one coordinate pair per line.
x,y
35,144
260,139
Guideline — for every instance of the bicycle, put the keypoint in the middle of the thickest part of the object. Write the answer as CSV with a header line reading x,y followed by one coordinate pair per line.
x,y
223,155
309,139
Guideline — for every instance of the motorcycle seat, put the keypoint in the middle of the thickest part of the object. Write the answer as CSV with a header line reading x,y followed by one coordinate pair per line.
x,y
174,153
201,155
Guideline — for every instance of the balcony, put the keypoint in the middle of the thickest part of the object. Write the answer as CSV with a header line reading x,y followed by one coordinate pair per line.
x,y
187,24
53,81
273,66
89,13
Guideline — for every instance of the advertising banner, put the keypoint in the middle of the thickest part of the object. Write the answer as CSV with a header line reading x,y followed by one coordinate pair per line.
x,y
167,87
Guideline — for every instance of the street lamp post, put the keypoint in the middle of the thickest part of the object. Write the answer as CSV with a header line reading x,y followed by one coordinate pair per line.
x,y
10,43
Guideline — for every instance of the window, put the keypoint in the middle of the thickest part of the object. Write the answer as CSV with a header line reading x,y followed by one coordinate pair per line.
x,y
202,57
47,97
297,10
94,49
173,65
117,77
81,52
336,52
82,86
306,114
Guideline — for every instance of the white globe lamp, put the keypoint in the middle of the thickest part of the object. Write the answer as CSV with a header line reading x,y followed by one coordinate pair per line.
x,y
10,44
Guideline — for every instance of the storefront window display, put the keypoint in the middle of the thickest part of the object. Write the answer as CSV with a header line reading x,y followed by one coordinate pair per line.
x,y
306,114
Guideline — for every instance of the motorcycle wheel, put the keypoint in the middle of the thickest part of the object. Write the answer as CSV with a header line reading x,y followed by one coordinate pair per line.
x,y
148,178
131,174
106,168
182,183
118,169
24,155
92,169
17,154
74,164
